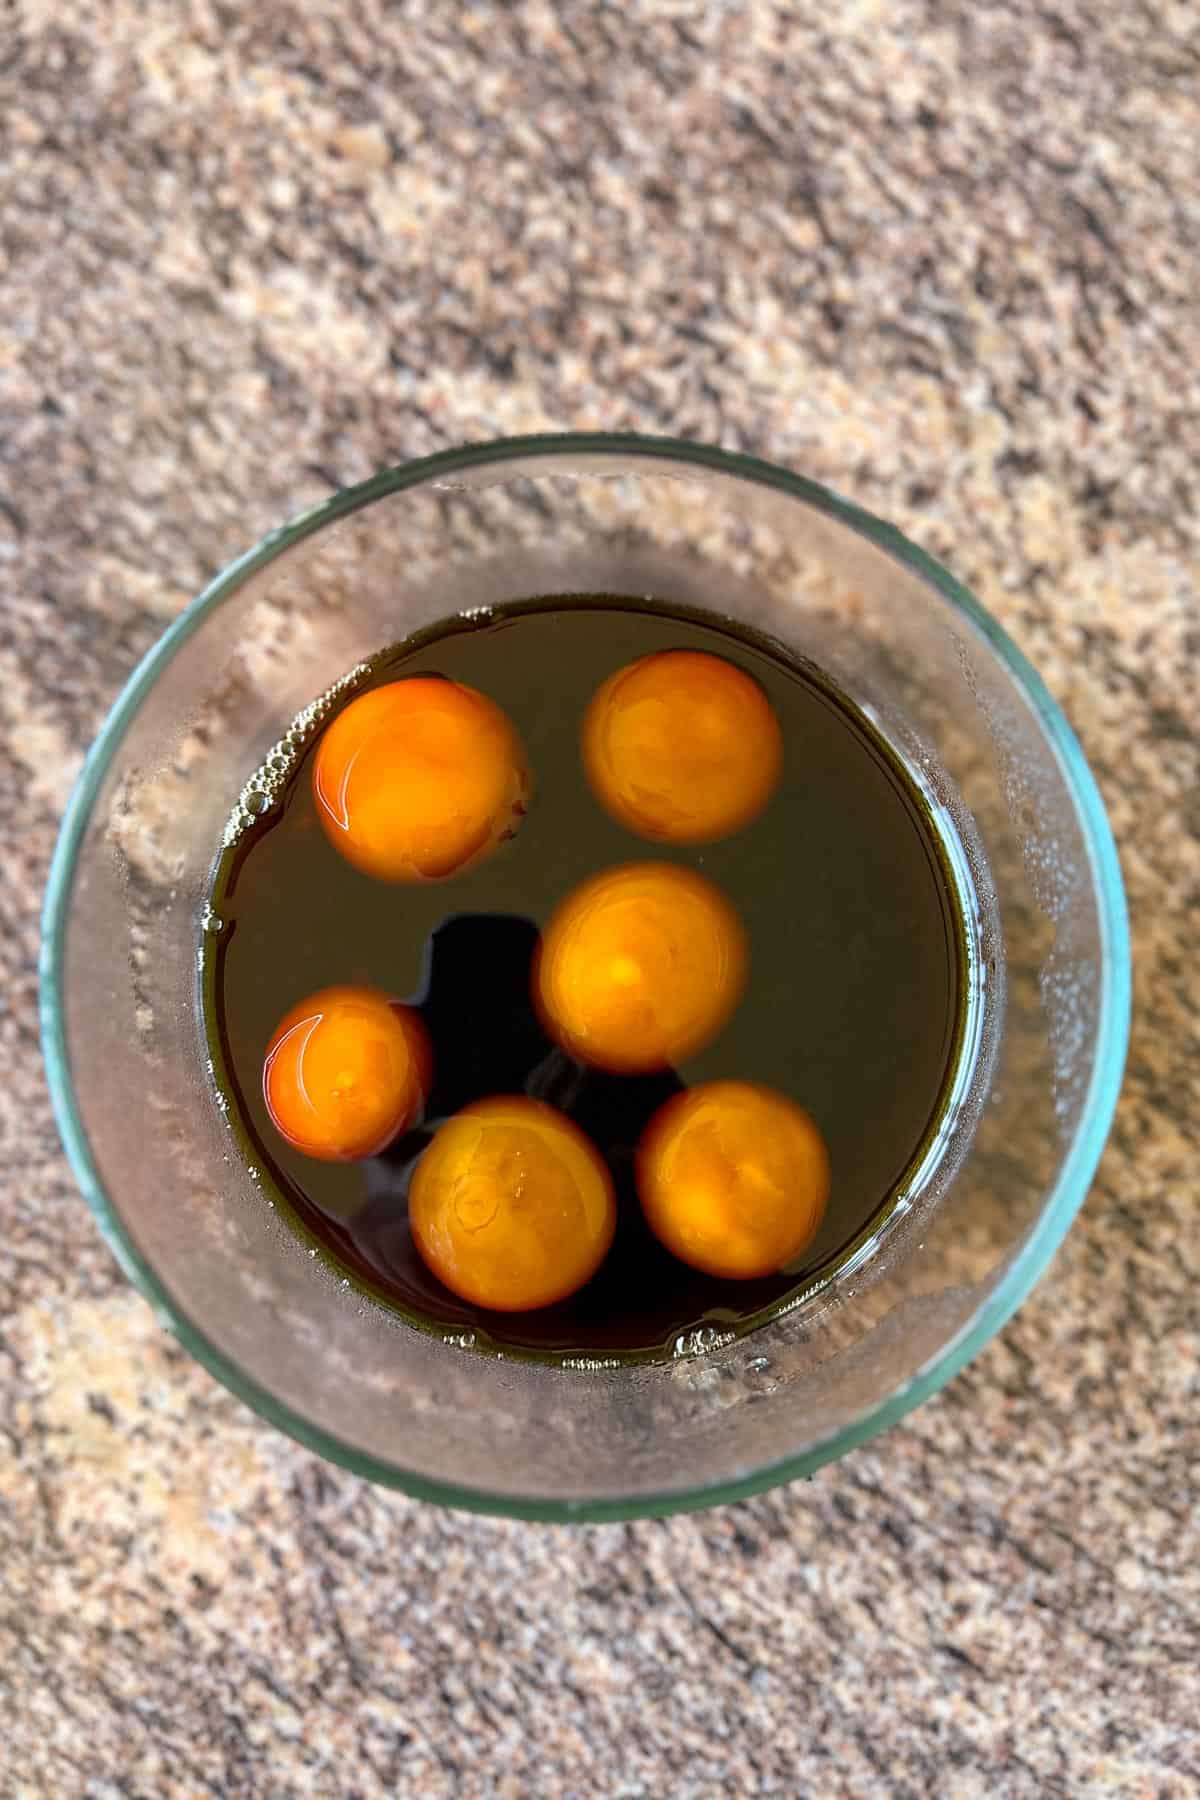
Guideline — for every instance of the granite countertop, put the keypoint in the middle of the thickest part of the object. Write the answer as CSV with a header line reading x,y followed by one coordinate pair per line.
x,y
942,257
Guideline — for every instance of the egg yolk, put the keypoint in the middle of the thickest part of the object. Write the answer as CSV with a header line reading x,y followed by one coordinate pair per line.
x,y
639,967
733,1178
682,747
419,779
512,1206
345,1071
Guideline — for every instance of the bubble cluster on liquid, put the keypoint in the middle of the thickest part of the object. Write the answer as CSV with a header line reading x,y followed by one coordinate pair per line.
x,y
269,781
702,1341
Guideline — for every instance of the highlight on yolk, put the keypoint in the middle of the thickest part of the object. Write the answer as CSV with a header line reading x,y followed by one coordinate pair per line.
x,y
345,1072
682,746
512,1206
419,779
639,967
733,1178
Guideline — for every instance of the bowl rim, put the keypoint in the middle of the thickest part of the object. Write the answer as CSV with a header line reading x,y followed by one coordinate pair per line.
x,y
1045,1235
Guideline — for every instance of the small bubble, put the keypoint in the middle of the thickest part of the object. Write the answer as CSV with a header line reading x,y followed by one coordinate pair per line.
x,y
211,921
257,802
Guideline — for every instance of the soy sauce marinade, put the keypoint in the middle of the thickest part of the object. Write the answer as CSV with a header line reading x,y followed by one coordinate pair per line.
x,y
854,1005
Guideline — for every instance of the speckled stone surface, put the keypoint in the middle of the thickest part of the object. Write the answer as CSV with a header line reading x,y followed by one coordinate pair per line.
x,y
941,256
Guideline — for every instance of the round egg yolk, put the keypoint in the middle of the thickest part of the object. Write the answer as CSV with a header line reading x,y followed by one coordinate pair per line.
x,y
733,1178
639,967
512,1206
417,780
345,1072
682,746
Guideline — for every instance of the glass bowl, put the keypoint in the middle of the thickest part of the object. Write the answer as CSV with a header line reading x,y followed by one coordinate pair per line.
x,y
469,530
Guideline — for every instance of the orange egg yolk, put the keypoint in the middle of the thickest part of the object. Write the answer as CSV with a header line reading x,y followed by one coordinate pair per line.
x,y
639,967
346,1071
419,779
512,1206
733,1178
682,747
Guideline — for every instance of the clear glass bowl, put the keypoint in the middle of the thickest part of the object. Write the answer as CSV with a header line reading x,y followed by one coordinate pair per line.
x,y
472,529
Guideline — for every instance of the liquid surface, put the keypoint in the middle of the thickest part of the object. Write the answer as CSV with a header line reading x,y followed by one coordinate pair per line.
x,y
853,1008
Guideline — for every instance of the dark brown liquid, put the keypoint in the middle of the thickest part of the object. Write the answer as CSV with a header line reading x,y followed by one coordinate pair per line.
x,y
854,1007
